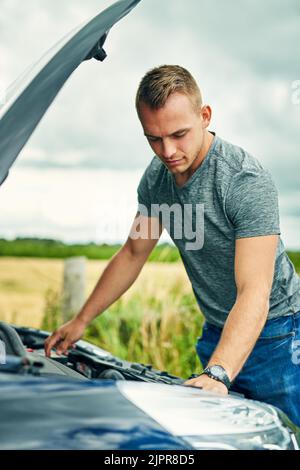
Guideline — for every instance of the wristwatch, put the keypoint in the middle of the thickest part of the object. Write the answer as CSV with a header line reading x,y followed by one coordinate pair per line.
x,y
218,373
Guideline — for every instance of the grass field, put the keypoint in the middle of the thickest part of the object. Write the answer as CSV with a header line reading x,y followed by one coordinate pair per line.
x,y
26,282
55,249
155,322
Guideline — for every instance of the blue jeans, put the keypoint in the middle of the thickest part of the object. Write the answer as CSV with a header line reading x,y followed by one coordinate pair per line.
x,y
272,371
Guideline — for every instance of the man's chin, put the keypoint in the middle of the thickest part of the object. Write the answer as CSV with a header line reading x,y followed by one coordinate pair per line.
x,y
177,170
178,167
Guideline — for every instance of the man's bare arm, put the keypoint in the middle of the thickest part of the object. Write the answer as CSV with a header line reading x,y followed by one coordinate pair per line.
x,y
254,272
121,272
118,276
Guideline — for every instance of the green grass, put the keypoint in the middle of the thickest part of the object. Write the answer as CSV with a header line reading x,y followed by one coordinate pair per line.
x,y
152,329
295,258
145,329
43,248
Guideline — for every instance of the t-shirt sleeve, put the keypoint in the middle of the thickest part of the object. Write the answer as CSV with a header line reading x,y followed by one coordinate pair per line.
x,y
146,203
252,204
143,196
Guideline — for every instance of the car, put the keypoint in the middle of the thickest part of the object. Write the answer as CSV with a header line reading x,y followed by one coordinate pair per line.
x,y
90,399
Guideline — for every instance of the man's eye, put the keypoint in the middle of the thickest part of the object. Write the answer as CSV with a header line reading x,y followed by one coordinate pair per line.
x,y
177,136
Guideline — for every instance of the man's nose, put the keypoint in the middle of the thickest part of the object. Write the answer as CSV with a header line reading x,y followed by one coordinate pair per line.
x,y
169,149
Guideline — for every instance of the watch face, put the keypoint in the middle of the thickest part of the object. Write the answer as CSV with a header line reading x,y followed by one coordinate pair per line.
x,y
216,370
218,373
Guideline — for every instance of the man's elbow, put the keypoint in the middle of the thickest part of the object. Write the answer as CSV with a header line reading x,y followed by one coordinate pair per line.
x,y
260,295
136,252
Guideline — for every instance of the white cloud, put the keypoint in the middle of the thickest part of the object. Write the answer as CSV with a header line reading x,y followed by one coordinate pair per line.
x,y
244,58
72,205
92,205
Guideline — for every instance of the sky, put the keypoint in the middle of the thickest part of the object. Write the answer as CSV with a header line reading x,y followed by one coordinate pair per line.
x,y
76,179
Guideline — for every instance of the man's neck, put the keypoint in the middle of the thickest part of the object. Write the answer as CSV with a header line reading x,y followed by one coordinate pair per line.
x,y
182,178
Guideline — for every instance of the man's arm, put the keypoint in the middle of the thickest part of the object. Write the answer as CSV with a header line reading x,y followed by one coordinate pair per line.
x,y
118,276
254,272
122,270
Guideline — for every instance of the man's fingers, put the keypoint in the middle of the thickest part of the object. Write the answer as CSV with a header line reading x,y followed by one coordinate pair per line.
x,y
57,340
209,387
192,385
63,347
190,382
51,341
48,345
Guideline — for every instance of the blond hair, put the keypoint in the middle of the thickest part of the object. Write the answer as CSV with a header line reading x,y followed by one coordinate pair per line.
x,y
160,82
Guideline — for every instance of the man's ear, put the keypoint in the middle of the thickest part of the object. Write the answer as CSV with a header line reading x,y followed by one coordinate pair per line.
x,y
206,113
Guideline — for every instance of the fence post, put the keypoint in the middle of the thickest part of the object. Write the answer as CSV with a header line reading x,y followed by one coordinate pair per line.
x,y
74,286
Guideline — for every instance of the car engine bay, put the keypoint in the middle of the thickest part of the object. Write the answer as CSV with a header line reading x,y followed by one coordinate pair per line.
x,y
25,355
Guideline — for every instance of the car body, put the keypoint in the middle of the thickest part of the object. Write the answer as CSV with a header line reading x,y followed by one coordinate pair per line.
x,y
90,399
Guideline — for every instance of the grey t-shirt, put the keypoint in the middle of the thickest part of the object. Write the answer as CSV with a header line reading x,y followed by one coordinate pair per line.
x,y
239,200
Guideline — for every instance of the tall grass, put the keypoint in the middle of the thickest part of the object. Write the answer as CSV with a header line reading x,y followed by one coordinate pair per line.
x,y
160,331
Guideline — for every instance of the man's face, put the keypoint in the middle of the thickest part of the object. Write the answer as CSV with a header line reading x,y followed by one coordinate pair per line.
x,y
176,132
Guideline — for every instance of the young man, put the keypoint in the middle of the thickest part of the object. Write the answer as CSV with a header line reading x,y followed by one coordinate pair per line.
x,y
220,207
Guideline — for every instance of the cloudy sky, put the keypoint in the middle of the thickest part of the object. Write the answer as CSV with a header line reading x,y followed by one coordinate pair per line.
x,y
76,179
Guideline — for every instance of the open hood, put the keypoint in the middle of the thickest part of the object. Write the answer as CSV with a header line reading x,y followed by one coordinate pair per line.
x,y
26,100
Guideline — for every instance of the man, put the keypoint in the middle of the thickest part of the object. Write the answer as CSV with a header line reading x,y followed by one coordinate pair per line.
x,y
243,280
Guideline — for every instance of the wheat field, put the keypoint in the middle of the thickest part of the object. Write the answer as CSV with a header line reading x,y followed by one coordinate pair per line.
x,y
24,283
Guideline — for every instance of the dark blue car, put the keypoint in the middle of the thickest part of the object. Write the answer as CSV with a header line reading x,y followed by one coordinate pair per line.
x,y
93,400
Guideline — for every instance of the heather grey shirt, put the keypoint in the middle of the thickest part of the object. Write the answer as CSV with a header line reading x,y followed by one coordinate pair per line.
x,y
239,200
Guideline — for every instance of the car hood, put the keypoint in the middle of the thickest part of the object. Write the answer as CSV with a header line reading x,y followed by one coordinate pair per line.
x,y
72,403
52,413
26,100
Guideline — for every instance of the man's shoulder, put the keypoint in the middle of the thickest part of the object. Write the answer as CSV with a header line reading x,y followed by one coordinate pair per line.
x,y
155,166
236,159
154,172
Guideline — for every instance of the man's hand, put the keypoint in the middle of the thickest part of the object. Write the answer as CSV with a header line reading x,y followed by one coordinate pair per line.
x,y
65,337
208,384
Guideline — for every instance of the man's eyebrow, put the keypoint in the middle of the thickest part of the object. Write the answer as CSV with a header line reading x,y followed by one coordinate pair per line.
x,y
179,131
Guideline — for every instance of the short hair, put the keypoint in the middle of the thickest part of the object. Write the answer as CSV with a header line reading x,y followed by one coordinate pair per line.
x,y
160,82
